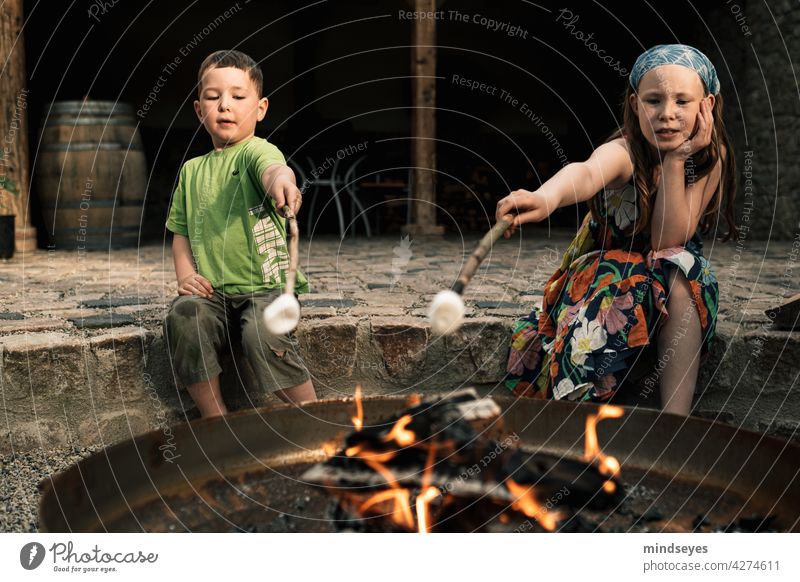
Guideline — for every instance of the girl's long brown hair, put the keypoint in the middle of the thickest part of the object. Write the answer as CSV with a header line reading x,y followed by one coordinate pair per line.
x,y
646,158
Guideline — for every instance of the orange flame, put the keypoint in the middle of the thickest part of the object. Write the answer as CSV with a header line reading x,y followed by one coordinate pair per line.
x,y
428,493
527,504
358,419
413,400
400,434
606,464
401,513
423,514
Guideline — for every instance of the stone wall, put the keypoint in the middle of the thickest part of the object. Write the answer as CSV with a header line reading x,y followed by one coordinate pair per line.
x,y
755,46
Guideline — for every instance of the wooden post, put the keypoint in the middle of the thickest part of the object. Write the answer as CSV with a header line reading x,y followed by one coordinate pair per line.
x,y
423,123
14,117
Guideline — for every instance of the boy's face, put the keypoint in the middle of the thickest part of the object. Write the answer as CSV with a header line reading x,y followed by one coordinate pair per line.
x,y
229,106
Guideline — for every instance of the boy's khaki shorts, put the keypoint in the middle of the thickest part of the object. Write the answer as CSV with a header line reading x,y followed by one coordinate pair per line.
x,y
196,330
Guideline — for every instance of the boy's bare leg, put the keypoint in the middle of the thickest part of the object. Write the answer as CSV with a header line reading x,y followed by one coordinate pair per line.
x,y
207,397
679,344
296,394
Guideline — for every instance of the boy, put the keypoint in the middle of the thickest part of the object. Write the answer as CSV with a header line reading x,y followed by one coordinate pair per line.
x,y
229,243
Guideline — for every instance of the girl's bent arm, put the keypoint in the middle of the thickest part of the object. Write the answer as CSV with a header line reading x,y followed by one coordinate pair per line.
x,y
679,206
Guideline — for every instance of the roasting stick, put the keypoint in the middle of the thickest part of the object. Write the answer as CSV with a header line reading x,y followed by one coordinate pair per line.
x,y
282,315
447,308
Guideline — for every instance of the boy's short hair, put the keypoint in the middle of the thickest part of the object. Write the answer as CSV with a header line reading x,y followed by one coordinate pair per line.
x,y
231,58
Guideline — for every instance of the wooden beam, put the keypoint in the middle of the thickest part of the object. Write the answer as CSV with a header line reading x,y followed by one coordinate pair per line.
x,y
14,117
423,123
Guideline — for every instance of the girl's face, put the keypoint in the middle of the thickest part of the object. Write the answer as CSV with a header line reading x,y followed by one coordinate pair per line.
x,y
667,104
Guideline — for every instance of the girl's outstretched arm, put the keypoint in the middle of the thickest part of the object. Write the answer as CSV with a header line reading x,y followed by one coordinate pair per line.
x,y
574,183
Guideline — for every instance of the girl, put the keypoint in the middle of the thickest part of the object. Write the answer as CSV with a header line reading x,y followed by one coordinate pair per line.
x,y
635,274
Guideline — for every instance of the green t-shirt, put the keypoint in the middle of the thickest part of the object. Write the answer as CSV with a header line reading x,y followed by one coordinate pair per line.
x,y
238,238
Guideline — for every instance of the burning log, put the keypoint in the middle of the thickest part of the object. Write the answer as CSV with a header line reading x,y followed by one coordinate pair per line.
x,y
425,467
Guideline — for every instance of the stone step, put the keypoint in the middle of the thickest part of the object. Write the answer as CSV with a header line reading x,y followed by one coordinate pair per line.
x,y
101,386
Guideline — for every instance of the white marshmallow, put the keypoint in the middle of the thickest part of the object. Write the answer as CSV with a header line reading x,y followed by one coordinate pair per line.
x,y
282,315
446,312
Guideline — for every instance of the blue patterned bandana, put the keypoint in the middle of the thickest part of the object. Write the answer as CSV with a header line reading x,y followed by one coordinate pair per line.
x,y
675,54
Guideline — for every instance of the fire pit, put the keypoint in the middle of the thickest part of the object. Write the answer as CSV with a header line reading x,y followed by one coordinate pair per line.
x,y
255,471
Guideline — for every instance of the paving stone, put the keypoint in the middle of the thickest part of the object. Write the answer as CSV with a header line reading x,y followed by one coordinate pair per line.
x,y
100,321
32,324
496,305
114,302
11,315
335,303
367,311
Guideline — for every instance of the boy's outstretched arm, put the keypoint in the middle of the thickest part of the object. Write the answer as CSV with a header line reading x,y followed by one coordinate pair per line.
x,y
189,281
279,182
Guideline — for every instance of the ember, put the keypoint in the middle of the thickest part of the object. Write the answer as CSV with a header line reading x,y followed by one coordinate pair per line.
x,y
434,467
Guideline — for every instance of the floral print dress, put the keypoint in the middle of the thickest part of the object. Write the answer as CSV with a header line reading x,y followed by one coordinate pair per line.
x,y
603,307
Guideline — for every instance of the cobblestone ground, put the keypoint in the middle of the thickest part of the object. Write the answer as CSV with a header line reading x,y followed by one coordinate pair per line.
x,y
387,276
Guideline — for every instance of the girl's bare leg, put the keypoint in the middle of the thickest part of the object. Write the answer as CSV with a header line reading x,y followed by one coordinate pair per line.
x,y
679,346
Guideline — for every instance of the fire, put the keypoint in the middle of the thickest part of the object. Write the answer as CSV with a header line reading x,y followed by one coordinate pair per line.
x,y
428,493
400,497
527,504
413,400
423,500
401,513
358,419
400,434
606,464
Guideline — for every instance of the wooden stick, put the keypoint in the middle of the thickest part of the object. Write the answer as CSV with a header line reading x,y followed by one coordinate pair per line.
x,y
480,252
293,242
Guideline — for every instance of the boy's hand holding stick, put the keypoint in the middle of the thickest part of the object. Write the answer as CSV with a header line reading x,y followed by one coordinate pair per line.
x,y
447,308
282,315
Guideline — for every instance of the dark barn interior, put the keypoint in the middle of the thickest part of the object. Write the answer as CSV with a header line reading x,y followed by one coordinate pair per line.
x,y
337,75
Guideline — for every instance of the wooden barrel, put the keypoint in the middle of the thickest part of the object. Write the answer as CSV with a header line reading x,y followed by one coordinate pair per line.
x,y
91,175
